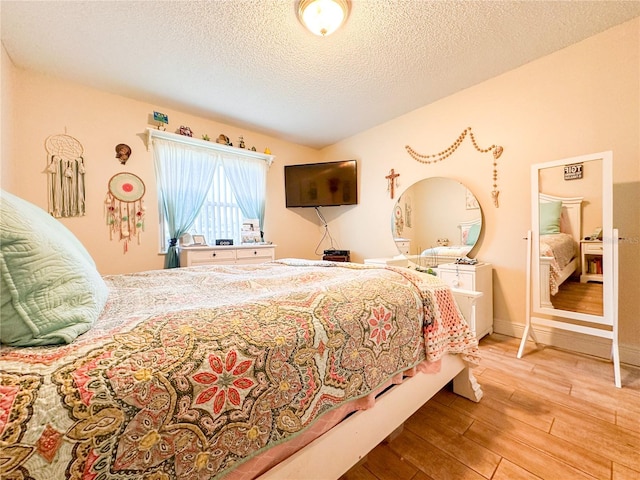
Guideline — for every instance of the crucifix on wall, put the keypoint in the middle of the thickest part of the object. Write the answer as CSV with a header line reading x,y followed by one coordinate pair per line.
x,y
392,182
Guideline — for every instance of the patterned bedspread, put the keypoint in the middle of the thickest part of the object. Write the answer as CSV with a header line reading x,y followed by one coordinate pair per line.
x,y
190,372
561,248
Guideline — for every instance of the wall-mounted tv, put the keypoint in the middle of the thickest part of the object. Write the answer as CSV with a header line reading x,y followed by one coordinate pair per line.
x,y
321,184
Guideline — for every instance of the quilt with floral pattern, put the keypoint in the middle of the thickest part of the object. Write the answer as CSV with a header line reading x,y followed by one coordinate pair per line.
x,y
190,372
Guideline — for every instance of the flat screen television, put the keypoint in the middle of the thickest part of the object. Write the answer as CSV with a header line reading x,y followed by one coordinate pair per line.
x,y
325,184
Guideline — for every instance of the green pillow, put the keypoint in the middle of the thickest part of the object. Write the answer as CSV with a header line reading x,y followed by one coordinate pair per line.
x,y
51,290
473,234
550,217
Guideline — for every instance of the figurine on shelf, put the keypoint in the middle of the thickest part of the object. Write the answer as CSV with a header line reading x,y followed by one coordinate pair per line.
x,y
205,137
267,151
241,142
222,139
253,149
186,131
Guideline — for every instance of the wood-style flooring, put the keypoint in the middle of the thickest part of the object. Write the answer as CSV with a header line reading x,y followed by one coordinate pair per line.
x,y
579,297
550,415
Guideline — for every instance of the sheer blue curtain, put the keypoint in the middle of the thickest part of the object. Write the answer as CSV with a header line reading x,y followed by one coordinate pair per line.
x,y
248,179
184,174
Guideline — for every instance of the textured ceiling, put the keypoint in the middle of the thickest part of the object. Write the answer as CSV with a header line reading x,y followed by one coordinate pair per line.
x,y
250,63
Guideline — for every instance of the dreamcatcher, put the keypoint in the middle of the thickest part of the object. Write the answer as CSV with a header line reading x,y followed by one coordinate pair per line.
x,y
65,176
124,208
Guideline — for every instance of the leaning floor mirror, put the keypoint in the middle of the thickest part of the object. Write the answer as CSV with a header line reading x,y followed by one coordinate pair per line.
x,y
572,266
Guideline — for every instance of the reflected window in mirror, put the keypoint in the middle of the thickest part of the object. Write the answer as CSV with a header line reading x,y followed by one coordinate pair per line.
x,y
436,220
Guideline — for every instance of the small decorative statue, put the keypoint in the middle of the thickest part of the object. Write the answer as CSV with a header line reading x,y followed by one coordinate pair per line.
x,y
186,131
205,137
123,152
241,142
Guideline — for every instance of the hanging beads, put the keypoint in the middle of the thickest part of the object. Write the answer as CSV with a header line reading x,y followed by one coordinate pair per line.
x,y
438,157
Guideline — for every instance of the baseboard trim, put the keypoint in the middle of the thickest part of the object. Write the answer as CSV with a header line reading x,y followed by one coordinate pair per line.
x,y
598,347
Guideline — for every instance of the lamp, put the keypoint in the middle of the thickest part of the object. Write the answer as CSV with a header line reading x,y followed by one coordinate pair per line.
x,y
323,17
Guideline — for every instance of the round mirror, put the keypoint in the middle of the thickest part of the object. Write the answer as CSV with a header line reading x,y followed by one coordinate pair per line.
x,y
435,221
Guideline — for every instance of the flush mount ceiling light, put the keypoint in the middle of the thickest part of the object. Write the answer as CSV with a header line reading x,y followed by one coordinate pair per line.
x,y
323,17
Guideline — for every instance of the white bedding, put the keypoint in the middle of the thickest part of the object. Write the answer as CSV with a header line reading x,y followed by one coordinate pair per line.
x,y
438,255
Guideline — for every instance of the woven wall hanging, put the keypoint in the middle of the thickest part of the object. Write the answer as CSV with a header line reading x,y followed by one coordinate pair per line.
x,y
124,208
65,176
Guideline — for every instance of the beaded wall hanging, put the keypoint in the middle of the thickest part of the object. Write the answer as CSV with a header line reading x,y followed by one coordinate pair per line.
x,y
65,176
124,208
438,157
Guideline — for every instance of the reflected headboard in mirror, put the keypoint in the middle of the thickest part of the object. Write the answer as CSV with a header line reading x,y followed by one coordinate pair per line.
x,y
436,220
559,251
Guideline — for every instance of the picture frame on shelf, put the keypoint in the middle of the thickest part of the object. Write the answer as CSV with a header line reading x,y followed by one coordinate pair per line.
x,y
199,240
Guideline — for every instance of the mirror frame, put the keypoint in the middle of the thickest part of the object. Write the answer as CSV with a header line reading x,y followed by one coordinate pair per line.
x,y
609,296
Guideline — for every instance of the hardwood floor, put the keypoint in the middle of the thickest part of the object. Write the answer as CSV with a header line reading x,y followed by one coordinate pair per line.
x,y
550,415
579,297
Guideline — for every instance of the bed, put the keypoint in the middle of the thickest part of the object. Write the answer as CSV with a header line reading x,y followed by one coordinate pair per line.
x,y
560,231
212,371
434,256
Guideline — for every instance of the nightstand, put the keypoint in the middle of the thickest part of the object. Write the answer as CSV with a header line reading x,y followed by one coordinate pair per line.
x,y
591,261
477,278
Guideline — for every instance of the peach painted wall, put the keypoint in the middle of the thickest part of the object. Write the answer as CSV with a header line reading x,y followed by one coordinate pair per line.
x,y
583,99
46,106
7,85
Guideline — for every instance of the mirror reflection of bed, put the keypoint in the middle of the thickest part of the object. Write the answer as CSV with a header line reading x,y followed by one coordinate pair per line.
x,y
560,260
579,205
438,219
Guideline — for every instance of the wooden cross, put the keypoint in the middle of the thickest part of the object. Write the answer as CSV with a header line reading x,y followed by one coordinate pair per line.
x,y
392,181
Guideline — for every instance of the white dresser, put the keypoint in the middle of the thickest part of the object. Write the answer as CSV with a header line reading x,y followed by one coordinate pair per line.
x,y
473,277
403,244
228,255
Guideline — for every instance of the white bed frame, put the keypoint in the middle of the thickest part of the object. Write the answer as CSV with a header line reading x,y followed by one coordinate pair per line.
x,y
435,260
572,214
336,451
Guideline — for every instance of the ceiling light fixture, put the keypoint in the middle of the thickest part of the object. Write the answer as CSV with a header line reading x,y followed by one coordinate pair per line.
x,y
323,17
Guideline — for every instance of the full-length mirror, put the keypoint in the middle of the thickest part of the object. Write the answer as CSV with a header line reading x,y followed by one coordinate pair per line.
x,y
571,218
435,221
573,251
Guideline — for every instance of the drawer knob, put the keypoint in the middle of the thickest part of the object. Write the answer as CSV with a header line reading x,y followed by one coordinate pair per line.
x,y
213,254
455,283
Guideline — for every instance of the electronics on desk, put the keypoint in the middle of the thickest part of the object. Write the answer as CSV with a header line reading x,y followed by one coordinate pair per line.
x,y
337,255
224,241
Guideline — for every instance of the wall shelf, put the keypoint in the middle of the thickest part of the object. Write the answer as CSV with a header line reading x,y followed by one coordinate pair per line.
x,y
195,142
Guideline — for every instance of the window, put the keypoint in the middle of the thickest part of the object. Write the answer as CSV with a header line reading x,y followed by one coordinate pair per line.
x,y
220,216
206,189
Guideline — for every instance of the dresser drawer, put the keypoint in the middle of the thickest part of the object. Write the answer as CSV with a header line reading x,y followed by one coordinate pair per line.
x,y
462,280
403,246
210,257
592,248
255,255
